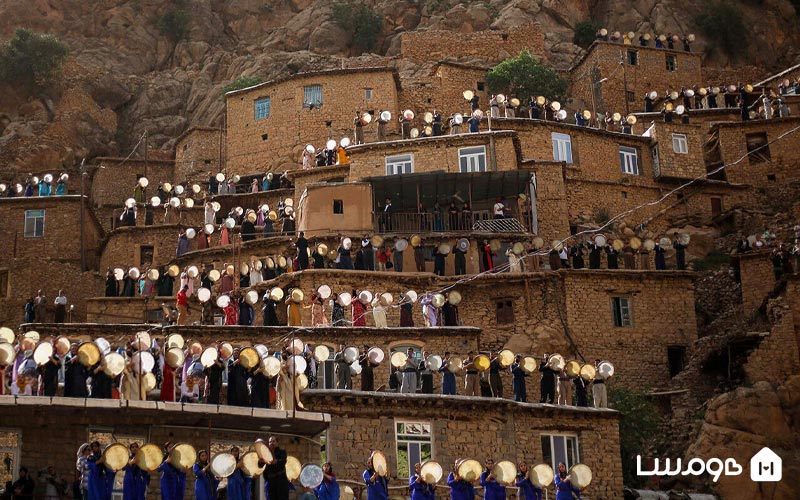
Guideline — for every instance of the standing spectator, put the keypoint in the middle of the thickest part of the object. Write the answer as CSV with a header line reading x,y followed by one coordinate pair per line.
x,y
22,489
183,244
40,307
61,307
182,303
82,470
499,209
30,316
302,250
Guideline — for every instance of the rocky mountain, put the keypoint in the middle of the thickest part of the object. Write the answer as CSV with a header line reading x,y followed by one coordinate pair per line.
x,y
127,73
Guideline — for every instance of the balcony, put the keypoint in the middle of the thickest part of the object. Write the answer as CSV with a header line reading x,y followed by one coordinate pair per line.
x,y
478,221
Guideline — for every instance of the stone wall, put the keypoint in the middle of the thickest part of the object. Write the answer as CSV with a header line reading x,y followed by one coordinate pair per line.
x,y
124,245
113,184
603,61
489,45
661,311
302,178
670,163
467,428
276,143
551,199
431,154
443,90
777,356
757,279
197,154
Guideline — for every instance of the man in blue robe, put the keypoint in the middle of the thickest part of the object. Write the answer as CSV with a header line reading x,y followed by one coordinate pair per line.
x,y
239,483
101,479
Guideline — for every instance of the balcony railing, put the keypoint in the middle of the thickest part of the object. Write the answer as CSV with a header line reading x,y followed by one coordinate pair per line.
x,y
476,221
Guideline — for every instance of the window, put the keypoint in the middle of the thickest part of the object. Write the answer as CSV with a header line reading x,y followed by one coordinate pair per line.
x,y
679,144
716,207
771,177
656,161
629,160
367,93
264,137
633,57
562,147
338,206
672,62
675,359
472,159
326,371
757,148
399,164
262,106
413,445
34,223
505,312
145,255
630,96
621,309
481,86
624,194
557,448
10,446
3,283
312,96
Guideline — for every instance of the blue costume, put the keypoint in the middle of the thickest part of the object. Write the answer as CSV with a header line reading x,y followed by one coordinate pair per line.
x,y
420,491
492,490
44,188
205,485
61,188
134,485
379,490
564,489
448,379
518,383
239,486
173,482
328,490
527,491
460,489
101,480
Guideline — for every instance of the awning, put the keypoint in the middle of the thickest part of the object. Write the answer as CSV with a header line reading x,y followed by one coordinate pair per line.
x,y
444,186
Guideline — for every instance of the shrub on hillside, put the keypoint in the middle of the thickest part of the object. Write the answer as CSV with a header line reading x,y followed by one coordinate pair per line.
x,y
585,33
174,24
524,76
242,83
361,21
32,61
724,28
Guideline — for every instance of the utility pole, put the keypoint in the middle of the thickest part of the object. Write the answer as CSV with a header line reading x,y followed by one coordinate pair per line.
x,y
625,84
83,253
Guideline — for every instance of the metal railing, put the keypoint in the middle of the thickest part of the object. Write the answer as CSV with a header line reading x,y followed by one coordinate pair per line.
x,y
478,220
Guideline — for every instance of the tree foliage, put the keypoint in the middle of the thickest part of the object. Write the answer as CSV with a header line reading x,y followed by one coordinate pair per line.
x,y
360,20
638,425
585,33
724,28
174,24
242,83
32,60
524,76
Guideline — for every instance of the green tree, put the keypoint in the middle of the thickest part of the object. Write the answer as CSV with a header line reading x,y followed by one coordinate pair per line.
x,y
638,425
363,22
524,76
32,61
174,24
242,83
585,33
724,28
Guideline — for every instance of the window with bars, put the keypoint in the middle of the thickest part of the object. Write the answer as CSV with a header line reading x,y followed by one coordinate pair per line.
x,y
400,164
262,108
558,448
671,62
312,96
34,223
472,159
414,444
629,160
621,310
679,144
562,147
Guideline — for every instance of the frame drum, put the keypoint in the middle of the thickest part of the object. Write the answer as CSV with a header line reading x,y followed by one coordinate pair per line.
x,y
209,357
7,335
376,355
505,472
183,455
263,451
114,365
573,368
588,372
223,465
431,472
250,464
297,363
311,476
271,366
542,475
248,357
321,353
115,456
88,354
379,462
455,365
149,457
399,359
433,363
529,364
143,362
42,353
293,468
506,358
581,475
482,362
470,470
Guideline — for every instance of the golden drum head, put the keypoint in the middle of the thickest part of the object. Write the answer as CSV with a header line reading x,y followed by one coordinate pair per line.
x,y
438,300
416,240
114,364
282,262
468,95
175,357
431,472
271,366
495,245
529,364
223,465
428,117
399,359
556,362
263,451
276,294
588,372
649,245
542,475
455,365
454,298
183,455
88,354
322,353
470,470
32,335
7,353
581,475
518,248
505,472
379,462
636,243
293,468
148,382
297,295
538,242
347,493
115,456
618,245
249,357
482,362
173,271
322,249
302,382
214,275
506,357
176,340
573,368
149,457
250,464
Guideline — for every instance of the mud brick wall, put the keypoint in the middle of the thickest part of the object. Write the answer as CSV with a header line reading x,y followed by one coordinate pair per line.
x,y
757,279
197,152
443,90
680,165
777,356
115,183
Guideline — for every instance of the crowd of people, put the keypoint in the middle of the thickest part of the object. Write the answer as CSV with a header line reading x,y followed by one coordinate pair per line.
x,y
36,308
35,186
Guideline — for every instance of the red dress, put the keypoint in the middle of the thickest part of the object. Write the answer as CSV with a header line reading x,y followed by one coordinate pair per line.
x,y
231,314
359,313
168,384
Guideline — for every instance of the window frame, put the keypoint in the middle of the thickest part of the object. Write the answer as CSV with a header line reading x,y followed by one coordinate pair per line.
x,y
634,59
5,289
562,143
468,153
407,439
29,215
341,206
625,153
393,161
506,303
759,153
680,140
567,436
618,317
309,92
368,93
674,62
258,108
